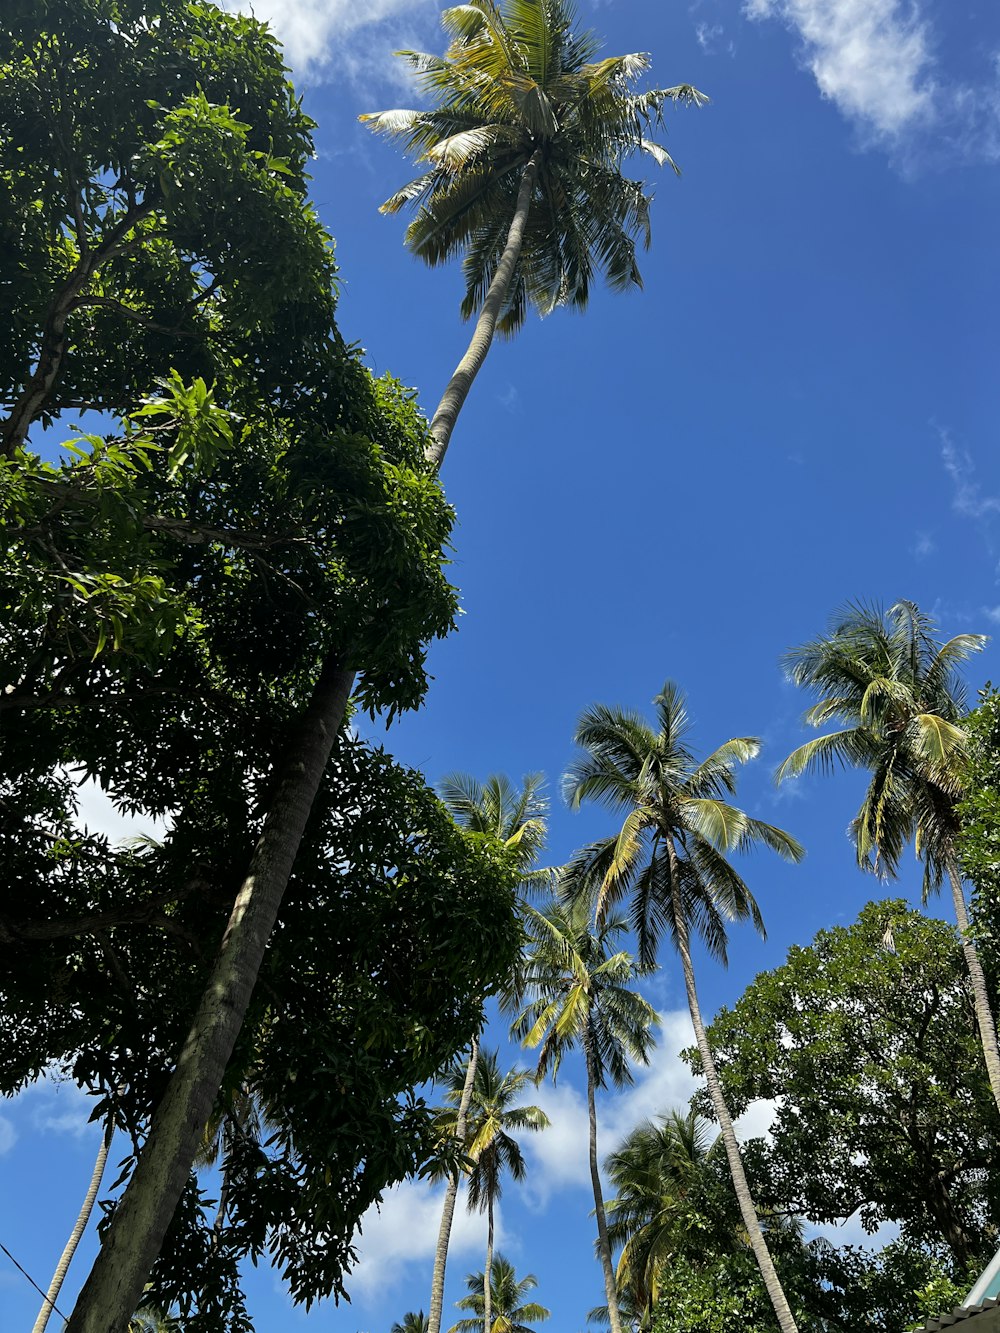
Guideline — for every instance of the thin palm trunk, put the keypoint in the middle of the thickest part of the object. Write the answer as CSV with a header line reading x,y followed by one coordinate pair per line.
x,y
984,1013
488,1274
467,369
744,1198
610,1285
450,1195
66,1258
133,1240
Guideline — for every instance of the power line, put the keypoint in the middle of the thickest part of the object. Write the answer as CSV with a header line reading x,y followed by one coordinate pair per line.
x,y
41,1293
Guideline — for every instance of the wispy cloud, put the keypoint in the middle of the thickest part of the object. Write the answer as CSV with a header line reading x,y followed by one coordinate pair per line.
x,y
8,1135
354,40
872,58
877,61
923,546
967,497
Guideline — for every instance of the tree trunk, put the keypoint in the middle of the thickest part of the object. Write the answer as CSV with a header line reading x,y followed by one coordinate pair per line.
x,y
610,1285
744,1198
467,369
66,1258
133,1240
450,1194
984,1012
488,1274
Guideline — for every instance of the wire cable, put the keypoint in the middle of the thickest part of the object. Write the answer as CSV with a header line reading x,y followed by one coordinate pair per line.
x,y
41,1293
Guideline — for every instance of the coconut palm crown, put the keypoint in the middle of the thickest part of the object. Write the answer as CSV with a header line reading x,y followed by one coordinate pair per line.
x,y
885,675
512,1313
518,89
671,850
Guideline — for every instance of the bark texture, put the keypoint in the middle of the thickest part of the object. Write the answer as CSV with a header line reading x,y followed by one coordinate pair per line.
x,y
41,382
610,1284
984,1012
114,1288
450,1195
488,1276
467,369
748,1210
66,1258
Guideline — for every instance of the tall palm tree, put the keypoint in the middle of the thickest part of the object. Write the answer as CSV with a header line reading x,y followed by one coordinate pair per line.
x,y
523,151
660,1174
578,993
512,1313
670,854
895,686
75,1236
516,818
491,1146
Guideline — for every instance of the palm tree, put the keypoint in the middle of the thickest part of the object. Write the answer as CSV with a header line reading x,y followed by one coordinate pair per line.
x,y
579,993
491,1145
660,1173
412,1323
75,1236
886,676
670,854
516,819
523,152
512,1314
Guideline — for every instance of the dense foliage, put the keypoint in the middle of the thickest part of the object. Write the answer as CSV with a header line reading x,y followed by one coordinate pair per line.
x,y
882,1105
246,502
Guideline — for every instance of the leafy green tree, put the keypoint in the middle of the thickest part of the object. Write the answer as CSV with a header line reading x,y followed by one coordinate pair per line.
x,y
579,994
863,1040
895,686
512,1313
523,150
670,855
489,1138
183,602
515,818
979,827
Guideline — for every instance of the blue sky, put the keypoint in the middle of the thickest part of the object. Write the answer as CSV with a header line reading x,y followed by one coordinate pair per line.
x,y
799,409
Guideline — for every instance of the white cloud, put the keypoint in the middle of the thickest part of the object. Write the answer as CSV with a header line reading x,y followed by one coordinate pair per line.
x,y
872,58
97,813
403,1232
356,39
55,1106
968,499
8,1135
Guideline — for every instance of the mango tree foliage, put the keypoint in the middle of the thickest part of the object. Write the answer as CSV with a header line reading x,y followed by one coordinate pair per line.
x,y
979,836
866,1041
248,502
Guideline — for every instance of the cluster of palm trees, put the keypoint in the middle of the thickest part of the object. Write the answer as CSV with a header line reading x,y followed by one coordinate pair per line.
x,y
521,160
895,689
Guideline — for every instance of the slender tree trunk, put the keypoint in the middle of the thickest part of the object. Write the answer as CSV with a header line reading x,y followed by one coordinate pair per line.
x,y
744,1198
610,1285
984,1012
450,1195
467,369
133,1240
66,1258
488,1274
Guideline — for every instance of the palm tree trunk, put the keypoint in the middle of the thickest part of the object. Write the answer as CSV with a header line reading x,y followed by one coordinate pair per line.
x,y
66,1258
450,1195
488,1274
133,1240
984,1012
467,369
748,1210
610,1285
